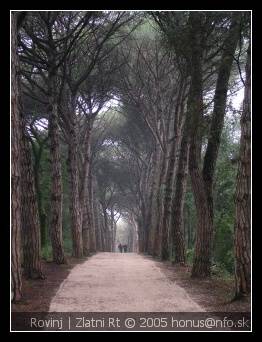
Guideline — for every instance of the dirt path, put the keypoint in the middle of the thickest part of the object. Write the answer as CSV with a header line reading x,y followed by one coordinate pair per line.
x,y
110,282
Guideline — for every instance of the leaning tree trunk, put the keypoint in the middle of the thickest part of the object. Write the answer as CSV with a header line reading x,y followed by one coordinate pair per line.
x,y
15,169
204,235
169,178
242,234
30,219
56,179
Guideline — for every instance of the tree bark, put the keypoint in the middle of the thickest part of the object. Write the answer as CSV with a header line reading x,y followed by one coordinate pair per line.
x,y
16,278
202,254
169,179
74,198
56,178
75,202
177,223
152,200
242,229
158,235
42,216
30,217
203,186
85,194
91,210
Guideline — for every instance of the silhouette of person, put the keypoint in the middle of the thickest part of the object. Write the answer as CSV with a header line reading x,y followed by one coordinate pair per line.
x,y
125,248
120,247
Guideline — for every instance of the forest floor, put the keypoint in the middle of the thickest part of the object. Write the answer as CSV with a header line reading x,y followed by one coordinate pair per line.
x,y
128,282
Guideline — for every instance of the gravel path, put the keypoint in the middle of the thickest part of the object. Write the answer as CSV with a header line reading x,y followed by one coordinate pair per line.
x,y
115,282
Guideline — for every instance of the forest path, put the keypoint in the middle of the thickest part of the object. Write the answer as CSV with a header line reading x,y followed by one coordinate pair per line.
x,y
127,282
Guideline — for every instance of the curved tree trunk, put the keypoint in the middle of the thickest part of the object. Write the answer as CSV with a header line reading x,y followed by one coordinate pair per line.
x,y
202,182
169,177
242,237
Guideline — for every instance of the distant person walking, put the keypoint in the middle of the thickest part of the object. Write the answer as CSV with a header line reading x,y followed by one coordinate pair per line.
x,y
120,247
125,248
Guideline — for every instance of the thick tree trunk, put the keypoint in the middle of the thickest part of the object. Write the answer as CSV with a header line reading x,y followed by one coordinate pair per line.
x,y
177,223
204,230
242,236
30,218
56,179
169,178
202,254
203,188
16,278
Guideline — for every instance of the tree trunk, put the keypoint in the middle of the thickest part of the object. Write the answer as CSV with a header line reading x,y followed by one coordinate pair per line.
x,y
74,182
158,235
85,228
106,231
152,200
75,200
97,218
16,277
202,254
85,194
91,211
56,179
242,234
30,218
177,224
37,148
204,186
169,176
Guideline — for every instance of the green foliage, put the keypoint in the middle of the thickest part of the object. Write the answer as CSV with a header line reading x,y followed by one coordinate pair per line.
x,y
189,256
224,203
47,252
